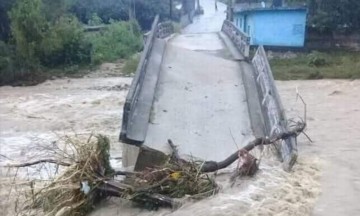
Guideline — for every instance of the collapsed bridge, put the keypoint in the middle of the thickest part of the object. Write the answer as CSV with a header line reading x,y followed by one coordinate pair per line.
x,y
201,90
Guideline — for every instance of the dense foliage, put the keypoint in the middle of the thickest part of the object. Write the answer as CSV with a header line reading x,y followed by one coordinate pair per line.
x,y
28,27
143,10
334,15
37,35
119,40
5,6
316,65
326,16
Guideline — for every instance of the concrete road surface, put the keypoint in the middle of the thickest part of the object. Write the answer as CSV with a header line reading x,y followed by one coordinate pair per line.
x,y
200,101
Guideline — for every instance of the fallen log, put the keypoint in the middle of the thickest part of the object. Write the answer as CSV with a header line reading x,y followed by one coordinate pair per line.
x,y
212,166
90,178
52,161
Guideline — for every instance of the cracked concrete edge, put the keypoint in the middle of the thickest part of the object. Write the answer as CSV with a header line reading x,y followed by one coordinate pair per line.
x,y
132,149
139,120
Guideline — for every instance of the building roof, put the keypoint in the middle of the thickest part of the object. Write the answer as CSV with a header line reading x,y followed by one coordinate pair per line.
x,y
249,7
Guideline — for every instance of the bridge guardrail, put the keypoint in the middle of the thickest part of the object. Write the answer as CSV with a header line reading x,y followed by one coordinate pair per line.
x,y
165,29
239,38
138,79
158,30
272,108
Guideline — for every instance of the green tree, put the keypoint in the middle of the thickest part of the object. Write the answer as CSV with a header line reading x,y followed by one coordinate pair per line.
x,y
146,10
334,15
64,43
54,9
95,20
28,26
119,40
105,9
5,6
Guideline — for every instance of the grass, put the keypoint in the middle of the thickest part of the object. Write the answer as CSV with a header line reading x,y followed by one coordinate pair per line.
x,y
117,41
131,65
317,65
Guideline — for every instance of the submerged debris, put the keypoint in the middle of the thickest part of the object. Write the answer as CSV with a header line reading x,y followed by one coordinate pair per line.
x,y
89,178
65,195
121,87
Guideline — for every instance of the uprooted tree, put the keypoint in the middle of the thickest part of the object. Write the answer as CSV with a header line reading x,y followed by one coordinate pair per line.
x,y
88,177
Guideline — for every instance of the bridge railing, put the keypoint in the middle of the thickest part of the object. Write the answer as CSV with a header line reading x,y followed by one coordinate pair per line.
x,y
239,38
165,29
138,79
272,108
158,30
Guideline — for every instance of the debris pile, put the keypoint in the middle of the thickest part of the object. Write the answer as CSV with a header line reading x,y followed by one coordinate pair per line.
x,y
89,178
88,166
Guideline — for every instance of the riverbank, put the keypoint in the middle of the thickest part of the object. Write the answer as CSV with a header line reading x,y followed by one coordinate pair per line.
x,y
315,65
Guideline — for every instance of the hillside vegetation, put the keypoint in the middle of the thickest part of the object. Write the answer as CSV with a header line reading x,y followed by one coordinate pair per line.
x,y
317,65
38,37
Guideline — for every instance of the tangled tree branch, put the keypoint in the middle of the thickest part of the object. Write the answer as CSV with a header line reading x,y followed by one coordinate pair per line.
x,y
212,166
61,163
90,177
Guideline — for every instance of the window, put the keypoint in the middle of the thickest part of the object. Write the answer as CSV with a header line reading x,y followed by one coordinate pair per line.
x,y
241,23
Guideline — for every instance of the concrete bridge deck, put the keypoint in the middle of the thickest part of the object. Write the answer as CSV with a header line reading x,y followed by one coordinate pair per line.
x,y
200,101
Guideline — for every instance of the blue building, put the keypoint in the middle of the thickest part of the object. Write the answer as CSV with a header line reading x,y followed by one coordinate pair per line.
x,y
271,26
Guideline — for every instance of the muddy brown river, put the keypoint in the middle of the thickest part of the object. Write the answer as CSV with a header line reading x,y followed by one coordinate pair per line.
x,y
324,182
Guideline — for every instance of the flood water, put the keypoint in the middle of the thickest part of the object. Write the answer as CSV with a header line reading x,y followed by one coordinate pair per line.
x,y
325,181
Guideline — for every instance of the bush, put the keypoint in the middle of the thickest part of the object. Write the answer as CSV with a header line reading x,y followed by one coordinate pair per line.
x,y
12,67
118,40
148,9
131,65
45,36
315,75
28,26
337,65
318,59
5,64
49,43
95,20
65,44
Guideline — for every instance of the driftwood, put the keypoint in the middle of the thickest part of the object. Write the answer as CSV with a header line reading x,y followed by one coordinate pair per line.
x,y
208,166
111,188
61,163
151,188
212,166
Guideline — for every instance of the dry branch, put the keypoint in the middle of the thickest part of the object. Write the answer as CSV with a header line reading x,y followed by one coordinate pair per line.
x,y
212,166
90,178
61,163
